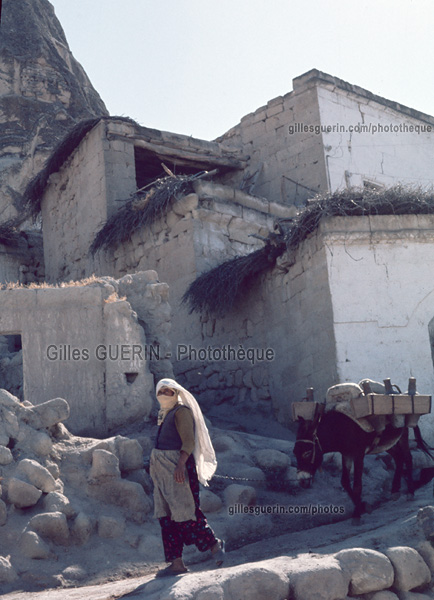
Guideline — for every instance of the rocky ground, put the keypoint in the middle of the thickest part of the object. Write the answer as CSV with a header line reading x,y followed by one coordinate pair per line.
x,y
77,512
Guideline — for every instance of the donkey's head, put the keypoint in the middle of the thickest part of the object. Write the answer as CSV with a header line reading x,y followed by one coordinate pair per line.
x,y
307,449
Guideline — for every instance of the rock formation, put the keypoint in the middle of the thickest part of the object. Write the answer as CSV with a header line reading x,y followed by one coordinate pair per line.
x,y
44,91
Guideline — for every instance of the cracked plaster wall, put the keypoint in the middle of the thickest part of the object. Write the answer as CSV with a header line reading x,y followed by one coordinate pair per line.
x,y
291,167
377,156
383,296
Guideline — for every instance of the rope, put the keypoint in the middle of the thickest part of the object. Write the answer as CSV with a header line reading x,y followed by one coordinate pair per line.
x,y
238,478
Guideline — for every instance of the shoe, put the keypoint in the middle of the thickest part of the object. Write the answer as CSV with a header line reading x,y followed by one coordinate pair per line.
x,y
170,572
219,556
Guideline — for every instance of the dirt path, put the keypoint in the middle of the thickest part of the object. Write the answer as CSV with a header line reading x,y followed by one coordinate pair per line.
x,y
394,523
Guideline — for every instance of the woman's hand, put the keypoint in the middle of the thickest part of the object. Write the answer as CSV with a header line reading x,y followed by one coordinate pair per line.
x,y
179,473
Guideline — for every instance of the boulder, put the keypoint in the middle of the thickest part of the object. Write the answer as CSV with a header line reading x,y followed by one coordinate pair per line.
x,y
426,551
239,494
267,581
82,528
4,438
213,592
384,595
317,579
57,502
413,596
36,474
32,546
74,573
53,468
142,477
7,400
223,443
51,526
366,570
104,465
209,502
411,571
7,572
130,454
10,422
127,494
274,460
46,414
5,456
22,494
256,583
40,443
425,518
110,528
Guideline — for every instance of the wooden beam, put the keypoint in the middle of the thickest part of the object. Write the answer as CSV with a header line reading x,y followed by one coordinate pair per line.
x,y
181,156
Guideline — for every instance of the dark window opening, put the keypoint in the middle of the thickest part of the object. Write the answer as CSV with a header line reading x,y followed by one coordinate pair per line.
x,y
131,377
148,167
11,365
372,186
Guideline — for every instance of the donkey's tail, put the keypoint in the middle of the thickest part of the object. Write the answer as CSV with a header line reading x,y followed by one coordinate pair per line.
x,y
421,444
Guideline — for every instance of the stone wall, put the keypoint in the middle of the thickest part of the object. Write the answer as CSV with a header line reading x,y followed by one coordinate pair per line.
x,y
282,167
327,135
80,198
348,304
99,177
85,344
201,231
282,334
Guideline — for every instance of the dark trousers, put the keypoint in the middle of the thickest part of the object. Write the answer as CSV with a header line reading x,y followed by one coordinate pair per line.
x,y
176,534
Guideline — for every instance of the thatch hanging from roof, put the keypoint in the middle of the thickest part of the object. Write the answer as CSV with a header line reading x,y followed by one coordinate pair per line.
x,y
397,200
35,188
143,209
217,290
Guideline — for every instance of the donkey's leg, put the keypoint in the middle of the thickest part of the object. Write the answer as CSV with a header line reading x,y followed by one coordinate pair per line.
x,y
359,506
354,491
347,463
403,465
408,471
399,468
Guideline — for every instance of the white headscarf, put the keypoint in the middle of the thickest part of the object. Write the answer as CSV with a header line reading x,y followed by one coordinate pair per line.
x,y
204,455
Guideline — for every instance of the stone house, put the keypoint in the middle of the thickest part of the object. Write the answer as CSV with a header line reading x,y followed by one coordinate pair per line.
x,y
346,304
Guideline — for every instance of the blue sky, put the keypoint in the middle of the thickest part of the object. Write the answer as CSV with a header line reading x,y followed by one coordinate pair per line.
x,y
198,66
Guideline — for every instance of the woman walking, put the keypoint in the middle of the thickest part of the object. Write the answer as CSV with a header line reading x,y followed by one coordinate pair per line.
x,y
183,456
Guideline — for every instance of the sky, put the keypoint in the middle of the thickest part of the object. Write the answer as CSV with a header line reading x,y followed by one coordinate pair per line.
x,y
197,67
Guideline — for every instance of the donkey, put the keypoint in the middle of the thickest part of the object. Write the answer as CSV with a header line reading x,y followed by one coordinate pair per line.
x,y
336,432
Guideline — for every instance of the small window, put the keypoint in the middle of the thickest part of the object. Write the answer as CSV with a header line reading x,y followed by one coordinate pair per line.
x,y
131,378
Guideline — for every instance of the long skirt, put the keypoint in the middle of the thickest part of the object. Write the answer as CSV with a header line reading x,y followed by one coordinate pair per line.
x,y
176,534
